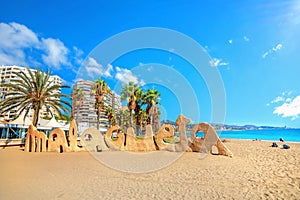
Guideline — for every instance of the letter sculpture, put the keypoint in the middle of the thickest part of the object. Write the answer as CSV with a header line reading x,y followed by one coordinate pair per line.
x,y
35,140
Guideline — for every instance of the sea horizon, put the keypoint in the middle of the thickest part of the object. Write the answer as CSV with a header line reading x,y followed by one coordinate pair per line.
x,y
289,135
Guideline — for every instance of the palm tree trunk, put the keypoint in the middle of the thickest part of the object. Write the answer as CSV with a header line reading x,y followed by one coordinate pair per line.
x,y
131,118
36,116
98,118
137,110
149,114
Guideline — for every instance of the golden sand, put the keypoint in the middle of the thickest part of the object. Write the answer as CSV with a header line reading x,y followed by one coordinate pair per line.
x,y
257,171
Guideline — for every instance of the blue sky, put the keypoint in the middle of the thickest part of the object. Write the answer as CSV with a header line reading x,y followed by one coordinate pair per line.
x,y
253,46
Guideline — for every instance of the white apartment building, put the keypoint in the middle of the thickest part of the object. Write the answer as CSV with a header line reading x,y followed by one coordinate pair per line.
x,y
6,75
85,112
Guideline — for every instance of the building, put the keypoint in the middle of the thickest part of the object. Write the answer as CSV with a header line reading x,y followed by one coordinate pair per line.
x,y
116,101
6,75
84,111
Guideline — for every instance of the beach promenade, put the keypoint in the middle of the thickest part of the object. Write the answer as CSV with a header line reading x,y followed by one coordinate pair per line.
x,y
256,171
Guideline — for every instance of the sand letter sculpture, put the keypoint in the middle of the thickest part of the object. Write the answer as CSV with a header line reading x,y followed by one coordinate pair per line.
x,y
92,140
140,145
35,140
73,146
117,144
168,131
57,141
132,143
209,140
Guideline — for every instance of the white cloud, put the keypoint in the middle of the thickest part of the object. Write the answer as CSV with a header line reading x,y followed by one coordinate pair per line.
x,y
265,54
78,53
215,62
230,41
283,97
278,47
288,100
150,68
95,69
56,53
17,41
278,99
125,76
14,39
246,39
272,50
289,108
107,72
14,35
142,83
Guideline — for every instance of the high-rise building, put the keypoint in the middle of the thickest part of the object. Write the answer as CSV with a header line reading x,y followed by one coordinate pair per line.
x,y
6,75
116,102
83,108
84,111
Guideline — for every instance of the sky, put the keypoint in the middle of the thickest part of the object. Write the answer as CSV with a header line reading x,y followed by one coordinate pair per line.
x,y
233,62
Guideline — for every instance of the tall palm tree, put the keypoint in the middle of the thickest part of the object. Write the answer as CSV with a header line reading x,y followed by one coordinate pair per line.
x,y
143,118
101,89
33,90
151,98
123,119
78,97
138,93
110,113
128,93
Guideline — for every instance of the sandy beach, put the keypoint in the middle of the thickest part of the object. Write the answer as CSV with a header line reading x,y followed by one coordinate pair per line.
x,y
257,171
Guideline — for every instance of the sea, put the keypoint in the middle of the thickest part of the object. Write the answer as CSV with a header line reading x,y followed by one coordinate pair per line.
x,y
289,135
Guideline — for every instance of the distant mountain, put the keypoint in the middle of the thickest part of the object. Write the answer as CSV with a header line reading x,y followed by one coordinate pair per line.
x,y
168,122
229,127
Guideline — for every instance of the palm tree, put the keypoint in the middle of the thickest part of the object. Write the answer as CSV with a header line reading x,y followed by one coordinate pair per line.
x,y
151,98
63,117
138,93
123,118
128,93
33,90
78,97
101,89
110,113
143,118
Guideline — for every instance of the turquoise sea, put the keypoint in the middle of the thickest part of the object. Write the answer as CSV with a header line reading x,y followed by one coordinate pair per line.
x,y
291,135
